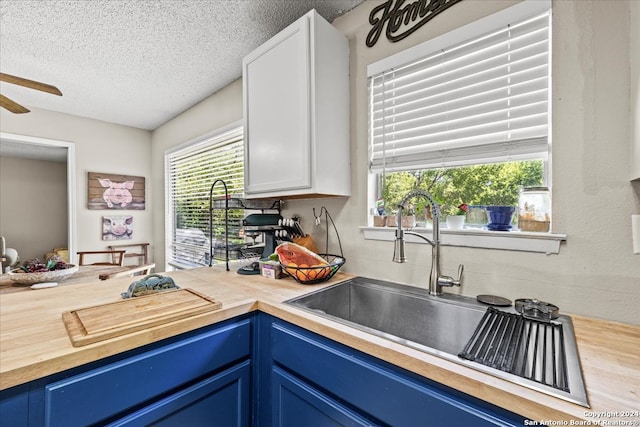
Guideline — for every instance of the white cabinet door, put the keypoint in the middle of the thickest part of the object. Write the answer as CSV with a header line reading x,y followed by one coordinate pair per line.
x,y
276,84
296,113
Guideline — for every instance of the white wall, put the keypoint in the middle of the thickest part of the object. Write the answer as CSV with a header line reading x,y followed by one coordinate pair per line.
x,y
33,205
595,273
100,147
219,110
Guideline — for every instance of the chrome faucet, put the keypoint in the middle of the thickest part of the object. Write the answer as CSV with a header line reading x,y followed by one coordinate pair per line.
x,y
436,281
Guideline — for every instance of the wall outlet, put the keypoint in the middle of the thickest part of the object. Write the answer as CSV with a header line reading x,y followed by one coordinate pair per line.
x,y
635,233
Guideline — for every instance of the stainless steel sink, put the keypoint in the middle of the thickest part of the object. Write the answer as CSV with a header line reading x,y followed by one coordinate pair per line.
x,y
441,325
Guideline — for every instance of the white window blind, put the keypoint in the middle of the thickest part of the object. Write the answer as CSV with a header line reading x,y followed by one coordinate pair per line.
x,y
482,98
190,173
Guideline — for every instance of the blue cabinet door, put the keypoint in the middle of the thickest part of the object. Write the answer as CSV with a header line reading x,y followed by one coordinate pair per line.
x,y
14,406
113,389
377,390
222,400
297,404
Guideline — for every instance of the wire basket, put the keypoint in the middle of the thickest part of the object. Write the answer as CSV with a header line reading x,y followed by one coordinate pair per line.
x,y
315,274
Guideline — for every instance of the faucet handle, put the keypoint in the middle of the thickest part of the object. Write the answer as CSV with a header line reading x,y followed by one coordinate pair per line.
x,y
450,281
460,271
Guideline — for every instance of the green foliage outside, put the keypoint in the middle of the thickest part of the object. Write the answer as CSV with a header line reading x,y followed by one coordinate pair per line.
x,y
192,180
489,184
193,213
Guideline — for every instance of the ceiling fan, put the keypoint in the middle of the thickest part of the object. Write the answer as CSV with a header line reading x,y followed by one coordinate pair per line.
x,y
13,106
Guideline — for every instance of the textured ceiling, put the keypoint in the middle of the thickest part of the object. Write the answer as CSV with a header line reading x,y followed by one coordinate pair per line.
x,y
137,62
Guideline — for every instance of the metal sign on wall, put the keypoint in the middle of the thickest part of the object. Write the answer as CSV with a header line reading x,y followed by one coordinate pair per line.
x,y
399,19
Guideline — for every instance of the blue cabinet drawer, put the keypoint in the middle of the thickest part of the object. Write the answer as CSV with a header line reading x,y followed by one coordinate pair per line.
x,y
389,395
101,393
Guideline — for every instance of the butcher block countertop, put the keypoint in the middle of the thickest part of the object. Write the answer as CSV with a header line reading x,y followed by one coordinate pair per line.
x,y
34,343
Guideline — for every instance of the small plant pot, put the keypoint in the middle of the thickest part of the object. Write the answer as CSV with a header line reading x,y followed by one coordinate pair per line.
x,y
408,221
455,222
392,221
476,217
379,220
500,217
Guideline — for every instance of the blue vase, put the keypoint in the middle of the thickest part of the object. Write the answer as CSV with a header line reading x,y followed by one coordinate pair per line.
x,y
500,217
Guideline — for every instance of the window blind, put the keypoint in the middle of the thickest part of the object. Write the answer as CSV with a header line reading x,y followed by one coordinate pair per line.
x,y
190,173
483,99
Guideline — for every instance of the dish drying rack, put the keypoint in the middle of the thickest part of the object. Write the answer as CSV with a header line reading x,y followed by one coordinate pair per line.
x,y
525,347
233,223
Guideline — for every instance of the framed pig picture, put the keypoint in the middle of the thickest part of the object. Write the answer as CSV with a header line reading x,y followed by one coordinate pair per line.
x,y
118,192
117,227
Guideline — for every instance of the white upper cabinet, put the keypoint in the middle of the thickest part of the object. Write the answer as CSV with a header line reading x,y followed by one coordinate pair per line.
x,y
296,113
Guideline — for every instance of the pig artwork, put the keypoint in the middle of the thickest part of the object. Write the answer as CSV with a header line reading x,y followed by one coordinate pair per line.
x,y
117,227
116,193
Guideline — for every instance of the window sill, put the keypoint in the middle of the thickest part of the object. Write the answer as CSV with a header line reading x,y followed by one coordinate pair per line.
x,y
477,238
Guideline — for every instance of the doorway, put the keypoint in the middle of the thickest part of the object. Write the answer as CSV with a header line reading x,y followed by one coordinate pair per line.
x,y
29,147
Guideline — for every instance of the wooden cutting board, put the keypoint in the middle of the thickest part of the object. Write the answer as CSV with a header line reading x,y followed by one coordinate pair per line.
x,y
101,322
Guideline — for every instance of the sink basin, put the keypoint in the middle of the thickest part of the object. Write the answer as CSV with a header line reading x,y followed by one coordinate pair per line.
x,y
443,326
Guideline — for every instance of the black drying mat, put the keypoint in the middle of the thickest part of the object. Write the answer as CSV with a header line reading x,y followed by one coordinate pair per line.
x,y
528,348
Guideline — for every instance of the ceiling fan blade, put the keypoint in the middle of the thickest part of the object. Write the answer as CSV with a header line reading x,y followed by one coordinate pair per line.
x,y
14,107
30,84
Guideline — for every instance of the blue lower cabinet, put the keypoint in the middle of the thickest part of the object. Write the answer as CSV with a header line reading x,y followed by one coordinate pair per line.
x,y
14,406
254,370
376,390
222,400
170,375
297,404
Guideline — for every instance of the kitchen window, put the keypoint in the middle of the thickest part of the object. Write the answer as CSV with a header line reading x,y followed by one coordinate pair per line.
x,y
190,170
465,115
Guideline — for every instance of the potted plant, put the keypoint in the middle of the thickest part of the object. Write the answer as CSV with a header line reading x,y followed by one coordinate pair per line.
x,y
476,216
408,218
379,217
456,221
501,212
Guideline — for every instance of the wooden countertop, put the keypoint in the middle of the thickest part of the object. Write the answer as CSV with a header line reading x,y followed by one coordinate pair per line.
x,y
34,342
